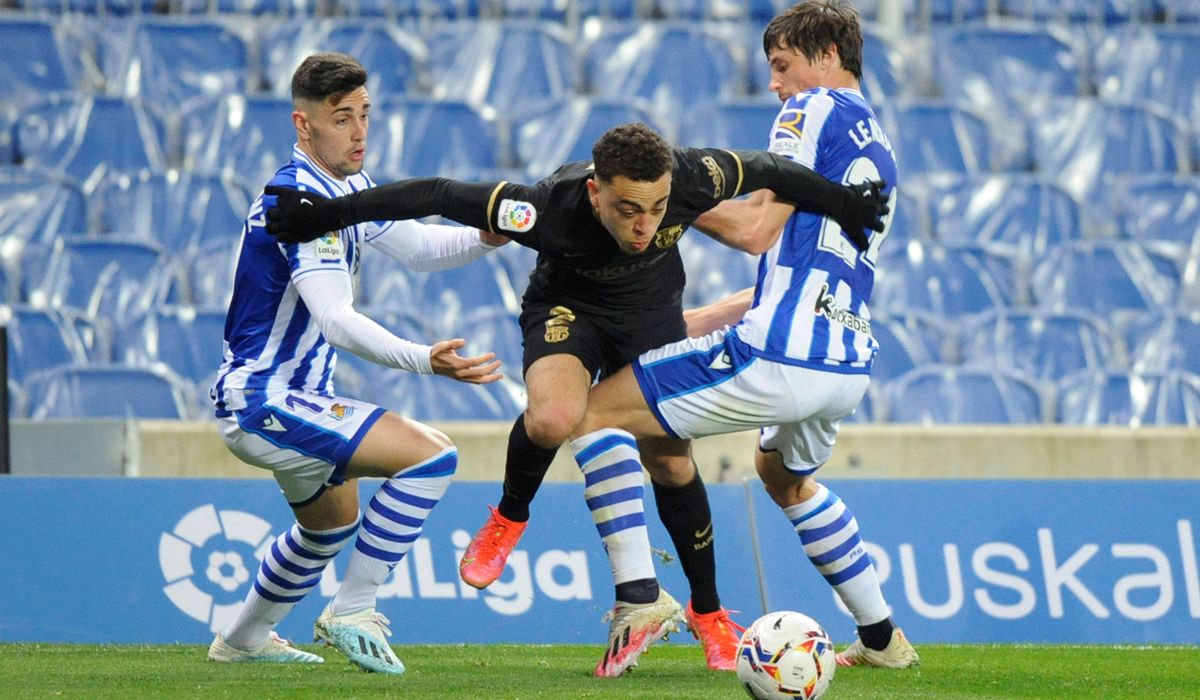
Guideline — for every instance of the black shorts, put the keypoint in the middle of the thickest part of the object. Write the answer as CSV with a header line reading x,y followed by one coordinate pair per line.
x,y
603,342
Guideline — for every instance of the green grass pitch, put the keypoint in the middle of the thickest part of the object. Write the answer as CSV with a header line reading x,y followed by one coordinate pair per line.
x,y
519,672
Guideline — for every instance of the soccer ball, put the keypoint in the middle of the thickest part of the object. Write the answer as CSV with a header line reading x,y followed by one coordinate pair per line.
x,y
785,655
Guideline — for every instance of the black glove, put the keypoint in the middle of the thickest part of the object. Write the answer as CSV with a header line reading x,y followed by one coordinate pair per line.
x,y
864,207
299,216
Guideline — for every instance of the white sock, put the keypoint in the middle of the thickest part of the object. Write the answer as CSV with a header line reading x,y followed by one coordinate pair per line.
x,y
612,474
391,525
290,570
830,537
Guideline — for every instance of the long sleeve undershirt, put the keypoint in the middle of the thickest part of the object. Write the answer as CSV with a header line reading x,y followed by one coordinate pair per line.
x,y
330,299
430,247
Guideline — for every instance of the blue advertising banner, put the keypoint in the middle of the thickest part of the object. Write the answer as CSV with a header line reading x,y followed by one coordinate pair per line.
x,y
158,561
1096,562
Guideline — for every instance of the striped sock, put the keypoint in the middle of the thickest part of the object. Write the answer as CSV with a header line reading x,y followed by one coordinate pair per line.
x,y
391,525
290,570
613,485
830,537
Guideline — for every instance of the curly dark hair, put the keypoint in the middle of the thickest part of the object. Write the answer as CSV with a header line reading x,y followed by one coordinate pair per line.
x,y
633,150
812,26
323,76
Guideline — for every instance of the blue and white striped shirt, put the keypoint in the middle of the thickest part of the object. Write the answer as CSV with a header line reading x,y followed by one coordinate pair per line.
x,y
272,343
810,300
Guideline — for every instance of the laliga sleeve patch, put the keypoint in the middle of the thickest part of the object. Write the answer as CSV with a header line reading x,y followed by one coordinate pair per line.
x,y
329,247
516,216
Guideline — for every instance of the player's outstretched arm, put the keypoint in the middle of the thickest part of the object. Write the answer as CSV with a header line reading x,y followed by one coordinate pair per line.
x,y
751,225
480,369
303,216
856,208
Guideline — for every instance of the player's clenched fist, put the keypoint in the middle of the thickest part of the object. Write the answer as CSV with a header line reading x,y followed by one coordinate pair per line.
x,y
300,216
863,209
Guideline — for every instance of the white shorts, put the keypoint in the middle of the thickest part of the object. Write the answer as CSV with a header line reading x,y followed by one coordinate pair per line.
x,y
713,385
306,440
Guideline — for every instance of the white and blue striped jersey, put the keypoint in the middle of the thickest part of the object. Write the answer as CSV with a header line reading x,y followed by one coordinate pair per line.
x,y
810,299
272,343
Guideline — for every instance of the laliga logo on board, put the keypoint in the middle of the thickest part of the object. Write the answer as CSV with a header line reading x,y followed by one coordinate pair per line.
x,y
229,544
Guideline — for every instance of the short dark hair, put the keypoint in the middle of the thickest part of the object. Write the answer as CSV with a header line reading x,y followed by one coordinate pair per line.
x,y
810,27
632,150
322,76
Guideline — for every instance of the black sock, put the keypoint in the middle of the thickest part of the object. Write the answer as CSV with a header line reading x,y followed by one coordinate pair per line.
x,y
877,635
684,511
524,468
643,590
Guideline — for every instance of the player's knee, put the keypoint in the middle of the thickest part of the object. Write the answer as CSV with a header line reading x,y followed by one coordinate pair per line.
x,y
549,429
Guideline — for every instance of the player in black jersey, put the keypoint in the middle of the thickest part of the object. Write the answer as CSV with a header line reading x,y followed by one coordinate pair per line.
x,y
607,286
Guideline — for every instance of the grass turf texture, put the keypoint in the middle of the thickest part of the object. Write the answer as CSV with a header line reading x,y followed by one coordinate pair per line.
x,y
511,671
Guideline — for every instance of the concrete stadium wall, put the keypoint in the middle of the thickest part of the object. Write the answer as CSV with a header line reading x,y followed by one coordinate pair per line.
x,y
194,449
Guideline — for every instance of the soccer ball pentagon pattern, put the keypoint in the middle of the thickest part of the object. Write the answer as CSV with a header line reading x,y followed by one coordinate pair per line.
x,y
785,655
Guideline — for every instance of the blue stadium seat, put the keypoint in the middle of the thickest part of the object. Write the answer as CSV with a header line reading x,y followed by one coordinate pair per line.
x,y
430,398
1164,341
1130,65
34,61
1179,11
107,391
664,63
385,283
1074,11
176,209
957,11
259,8
608,9
551,133
934,136
395,58
518,263
910,217
10,286
552,10
209,273
172,61
1103,277
714,270
1045,346
1130,399
37,205
250,137
1013,215
1085,142
760,12
1161,212
512,62
491,329
936,394
947,281
1007,70
738,123
110,278
88,137
458,291
908,340
186,340
39,339
420,137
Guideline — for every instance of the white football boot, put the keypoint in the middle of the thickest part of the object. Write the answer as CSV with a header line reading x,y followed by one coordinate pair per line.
x,y
362,637
277,650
